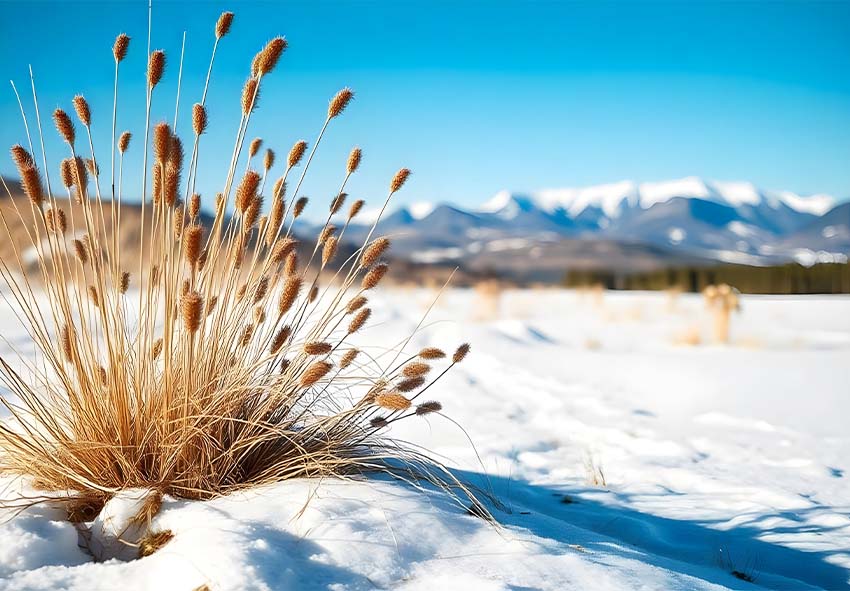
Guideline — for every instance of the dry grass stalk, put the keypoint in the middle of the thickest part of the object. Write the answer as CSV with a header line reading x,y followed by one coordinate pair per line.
x,y
212,388
722,300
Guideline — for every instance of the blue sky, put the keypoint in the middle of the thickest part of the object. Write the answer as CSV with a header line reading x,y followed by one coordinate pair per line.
x,y
473,96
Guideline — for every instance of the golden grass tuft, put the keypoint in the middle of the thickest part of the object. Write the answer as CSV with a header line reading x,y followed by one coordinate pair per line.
x,y
233,370
154,541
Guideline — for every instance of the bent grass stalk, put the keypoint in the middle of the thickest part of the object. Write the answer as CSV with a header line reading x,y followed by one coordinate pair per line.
x,y
235,373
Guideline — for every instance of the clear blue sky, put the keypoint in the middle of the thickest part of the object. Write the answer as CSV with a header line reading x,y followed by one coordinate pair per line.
x,y
473,96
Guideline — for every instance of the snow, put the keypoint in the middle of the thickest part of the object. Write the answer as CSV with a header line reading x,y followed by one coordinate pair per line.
x,y
652,193
609,198
676,235
622,457
420,210
738,193
813,204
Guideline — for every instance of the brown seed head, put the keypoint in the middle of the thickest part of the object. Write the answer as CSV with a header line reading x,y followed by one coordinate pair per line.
x,y
290,267
314,293
355,304
329,250
427,408
192,237
375,251
92,167
315,372
64,126
354,160
199,119
282,249
222,27
348,358
378,422
156,349
392,401
31,182
290,292
374,276
268,160
299,206
93,296
124,141
355,208
296,153
247,190
66,171
279,339
81,105
254,147
267,59
192,305
80,251
460,353
252,214
119,48
194,205
250,95
431,353
156,67
339,102
211,302
399,179
161,141
21,157
317,348
261,290
125,282
410,384
415,369
67,337
326,233
279,189
359,320
338,202
247,335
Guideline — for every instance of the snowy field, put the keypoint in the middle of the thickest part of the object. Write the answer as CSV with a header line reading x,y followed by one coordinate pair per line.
x,y
623,455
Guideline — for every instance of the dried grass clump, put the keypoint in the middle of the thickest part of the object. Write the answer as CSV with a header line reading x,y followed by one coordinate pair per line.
x,y
488,300
223,365
721,300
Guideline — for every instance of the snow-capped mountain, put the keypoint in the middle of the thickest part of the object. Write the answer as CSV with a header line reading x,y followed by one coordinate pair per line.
x,y
727,221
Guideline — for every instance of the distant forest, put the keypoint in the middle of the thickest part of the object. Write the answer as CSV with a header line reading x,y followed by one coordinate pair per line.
x,y
783,279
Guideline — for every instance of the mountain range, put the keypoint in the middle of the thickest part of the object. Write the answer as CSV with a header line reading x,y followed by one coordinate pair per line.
x,y
624,225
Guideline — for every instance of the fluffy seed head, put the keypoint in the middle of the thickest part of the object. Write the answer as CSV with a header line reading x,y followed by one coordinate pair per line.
x,y
329,250
282,249
247,334
192,237
317,348
199,118
290,292
338,202
194,205
355,208
375,251
279,339
31,182
460,353
261,289
80,251
354,160
254,146
222,27
399,179
66,171
81,106
161,141
156,67
415,369
211,302
315,372
290,267
355,304
299,206
279,189
119,48
326,233
192,305
410,384
250,94
252,214
427,408
267,59
21,157
124,141
359,320
348,358
56,221
247,190
392,401
268,159
431,353
156,349
374,276
93,296
92,167
339,102
125,282
296,153
66,336
378,422
64,126
314,293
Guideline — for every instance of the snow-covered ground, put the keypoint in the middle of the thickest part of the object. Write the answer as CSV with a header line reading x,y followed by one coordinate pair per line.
x,y
624,457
